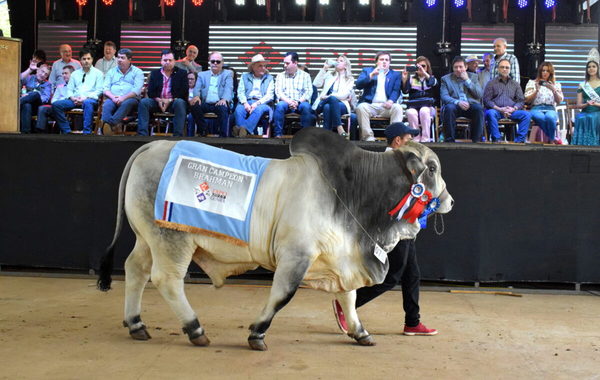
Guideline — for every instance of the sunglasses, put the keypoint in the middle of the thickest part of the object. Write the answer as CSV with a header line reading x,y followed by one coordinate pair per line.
x,y
215,62
83,79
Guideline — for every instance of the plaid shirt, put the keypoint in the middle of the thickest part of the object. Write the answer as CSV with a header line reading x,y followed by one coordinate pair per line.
x,y
294,87
514,67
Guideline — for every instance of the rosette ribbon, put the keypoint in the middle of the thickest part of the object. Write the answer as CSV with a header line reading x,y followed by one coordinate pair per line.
x,y
413,204
432,207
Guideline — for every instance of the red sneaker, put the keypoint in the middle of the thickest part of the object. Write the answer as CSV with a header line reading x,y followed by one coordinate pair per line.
x,y
419,329
339,317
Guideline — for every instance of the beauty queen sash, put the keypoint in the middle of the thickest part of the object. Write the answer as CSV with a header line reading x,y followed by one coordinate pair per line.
x,y
209,191
587,88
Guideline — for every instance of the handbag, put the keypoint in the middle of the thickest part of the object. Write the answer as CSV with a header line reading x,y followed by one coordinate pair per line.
x,y
420,102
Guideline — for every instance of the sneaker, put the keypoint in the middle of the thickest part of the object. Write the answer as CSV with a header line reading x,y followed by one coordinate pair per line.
x,y
419,329
339,317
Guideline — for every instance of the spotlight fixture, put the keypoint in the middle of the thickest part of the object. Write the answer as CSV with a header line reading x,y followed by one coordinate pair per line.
x,y
323,2
459,3
261,3
240,2
550,3
301,2
386,2
197,3
430,3
522,3
363,2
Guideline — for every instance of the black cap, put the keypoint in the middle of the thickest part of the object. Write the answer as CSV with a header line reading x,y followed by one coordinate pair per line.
x,y
399,129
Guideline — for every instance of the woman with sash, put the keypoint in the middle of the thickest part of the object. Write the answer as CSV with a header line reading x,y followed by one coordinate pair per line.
x,y
543,94
419,88
337,93
587,123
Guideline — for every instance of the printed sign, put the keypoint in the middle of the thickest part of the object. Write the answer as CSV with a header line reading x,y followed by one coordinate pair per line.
x,y
211,187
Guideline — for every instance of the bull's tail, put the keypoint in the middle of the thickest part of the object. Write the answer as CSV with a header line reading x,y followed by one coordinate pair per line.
x,y
106,265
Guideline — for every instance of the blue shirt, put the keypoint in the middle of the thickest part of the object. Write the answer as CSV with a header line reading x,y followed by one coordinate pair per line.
x,y
44,88
122,84
213,89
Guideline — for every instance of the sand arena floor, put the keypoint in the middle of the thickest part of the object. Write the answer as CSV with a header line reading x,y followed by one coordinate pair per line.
x,y
53,328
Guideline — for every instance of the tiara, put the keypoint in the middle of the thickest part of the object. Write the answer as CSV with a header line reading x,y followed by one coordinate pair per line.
x,y
594,56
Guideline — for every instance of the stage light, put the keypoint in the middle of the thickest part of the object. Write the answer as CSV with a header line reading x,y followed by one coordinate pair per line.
x,y
169,3
81,3
108,2
197,3
522,3
323,2
363,2
240,2
430,3
550,3
459,3
261,3
300,2
386,2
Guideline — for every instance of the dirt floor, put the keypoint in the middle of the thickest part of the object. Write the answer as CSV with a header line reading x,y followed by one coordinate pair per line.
x,y
54,328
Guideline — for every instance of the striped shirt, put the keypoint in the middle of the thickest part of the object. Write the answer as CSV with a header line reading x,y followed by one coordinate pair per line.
x,y
297,87
501,93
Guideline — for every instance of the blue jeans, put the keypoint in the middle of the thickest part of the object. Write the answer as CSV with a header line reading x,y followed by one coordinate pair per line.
x,y
249,121
59,109
147,106
332,109
523,118
545,117
29,104
451,111
114,114
42,118
307,117
198,111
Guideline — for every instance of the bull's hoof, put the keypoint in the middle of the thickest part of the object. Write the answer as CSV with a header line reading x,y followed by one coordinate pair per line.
x,y
202,340
366,341
257,344
140,334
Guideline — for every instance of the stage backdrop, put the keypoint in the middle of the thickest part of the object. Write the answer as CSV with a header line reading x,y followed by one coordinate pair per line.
x,y
314,44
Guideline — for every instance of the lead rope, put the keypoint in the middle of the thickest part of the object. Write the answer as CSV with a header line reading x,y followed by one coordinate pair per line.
x,y
435,224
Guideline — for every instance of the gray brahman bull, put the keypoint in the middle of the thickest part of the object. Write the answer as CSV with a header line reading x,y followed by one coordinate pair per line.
x,y
316,219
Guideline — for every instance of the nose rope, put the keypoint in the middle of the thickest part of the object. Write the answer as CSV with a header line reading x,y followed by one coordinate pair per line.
x,y
435,224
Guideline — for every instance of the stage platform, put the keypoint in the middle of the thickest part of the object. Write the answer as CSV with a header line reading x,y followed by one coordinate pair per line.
x,y
522,212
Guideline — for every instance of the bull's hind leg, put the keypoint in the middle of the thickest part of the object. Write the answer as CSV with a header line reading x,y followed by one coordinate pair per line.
x,y
355,329
168,271
137,273
287,278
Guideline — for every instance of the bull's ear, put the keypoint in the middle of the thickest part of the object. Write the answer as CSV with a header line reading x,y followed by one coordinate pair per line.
x,y
414,164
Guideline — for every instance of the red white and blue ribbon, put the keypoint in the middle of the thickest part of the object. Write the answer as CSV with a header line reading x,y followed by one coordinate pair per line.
x,y
413,204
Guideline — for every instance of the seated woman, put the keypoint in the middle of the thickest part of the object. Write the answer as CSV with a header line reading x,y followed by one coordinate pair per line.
x,y
336,94
419,88
256,91
543,94
587,123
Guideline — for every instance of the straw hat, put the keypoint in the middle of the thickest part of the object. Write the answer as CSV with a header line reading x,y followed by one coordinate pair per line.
x,y
472,58
256,59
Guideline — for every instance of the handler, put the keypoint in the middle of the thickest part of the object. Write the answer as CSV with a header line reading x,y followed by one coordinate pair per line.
x,y
403,263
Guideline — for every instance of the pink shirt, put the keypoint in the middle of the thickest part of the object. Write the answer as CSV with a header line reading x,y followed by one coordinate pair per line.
x,y
166,90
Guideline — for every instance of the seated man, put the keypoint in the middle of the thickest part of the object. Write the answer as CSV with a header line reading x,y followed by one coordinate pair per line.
x,y
189,61
108,61
60,93
83,90
213,92
504,98
381,90
293,90
66,58
255,93
167,92
36,91
122,88
461,97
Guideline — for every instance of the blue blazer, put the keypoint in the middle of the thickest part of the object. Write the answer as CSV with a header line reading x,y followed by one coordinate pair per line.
x,y
368,85
225,85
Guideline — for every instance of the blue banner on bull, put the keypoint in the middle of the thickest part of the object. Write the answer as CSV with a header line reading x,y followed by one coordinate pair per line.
x,y
208,190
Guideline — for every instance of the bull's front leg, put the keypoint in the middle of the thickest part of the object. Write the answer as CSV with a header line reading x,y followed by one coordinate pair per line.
x,y
355,329
288,276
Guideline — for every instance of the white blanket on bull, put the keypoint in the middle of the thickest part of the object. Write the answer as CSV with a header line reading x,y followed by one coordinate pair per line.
x,y
208,190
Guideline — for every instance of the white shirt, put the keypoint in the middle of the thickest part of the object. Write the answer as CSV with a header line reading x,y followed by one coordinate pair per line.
x,y
380,96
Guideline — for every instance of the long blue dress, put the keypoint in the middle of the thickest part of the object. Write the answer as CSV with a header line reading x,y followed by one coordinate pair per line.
x,y
587,123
